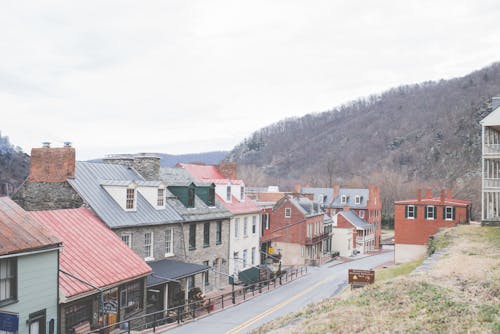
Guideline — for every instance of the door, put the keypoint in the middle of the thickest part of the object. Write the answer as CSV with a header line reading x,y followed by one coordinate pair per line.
x,y
37,322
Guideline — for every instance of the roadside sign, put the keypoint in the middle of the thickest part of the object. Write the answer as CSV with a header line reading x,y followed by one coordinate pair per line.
x,y
9,322
271,250
361,277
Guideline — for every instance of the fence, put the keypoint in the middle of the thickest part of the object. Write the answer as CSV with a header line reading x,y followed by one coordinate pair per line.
x,y
173,316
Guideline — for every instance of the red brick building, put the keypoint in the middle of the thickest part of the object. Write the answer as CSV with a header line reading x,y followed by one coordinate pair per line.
x,y
296,230
415,220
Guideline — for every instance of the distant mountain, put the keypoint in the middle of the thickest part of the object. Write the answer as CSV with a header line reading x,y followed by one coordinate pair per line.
x,y
170,160
14,166
425,134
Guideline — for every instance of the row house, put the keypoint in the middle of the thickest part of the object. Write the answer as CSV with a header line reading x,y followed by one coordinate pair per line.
x,y
295,232
417,219
352,234
364,202
29,257
101,280
490,171
128,195
245,226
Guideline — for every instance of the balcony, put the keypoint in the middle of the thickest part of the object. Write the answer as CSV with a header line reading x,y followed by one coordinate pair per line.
x,y
491,149
317,239
491,183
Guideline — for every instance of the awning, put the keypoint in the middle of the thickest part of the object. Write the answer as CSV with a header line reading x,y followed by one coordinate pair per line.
x,y
168,270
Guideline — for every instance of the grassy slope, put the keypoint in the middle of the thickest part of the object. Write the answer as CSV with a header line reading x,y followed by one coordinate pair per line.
x,y
460,294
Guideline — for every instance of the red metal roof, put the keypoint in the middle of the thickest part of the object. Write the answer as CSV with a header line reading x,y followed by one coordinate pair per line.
x,y
435,201
237,207
208,174
91,251
20,232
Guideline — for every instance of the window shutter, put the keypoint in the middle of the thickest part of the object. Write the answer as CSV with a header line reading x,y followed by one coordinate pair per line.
x,y
406,211
415,210
444,213
435,212
453,215
426,212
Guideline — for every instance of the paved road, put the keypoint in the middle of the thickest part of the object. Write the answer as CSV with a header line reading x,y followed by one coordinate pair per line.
x,y
320,283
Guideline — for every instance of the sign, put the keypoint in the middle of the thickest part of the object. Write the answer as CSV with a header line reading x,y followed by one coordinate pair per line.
x,y
270,250
9,322
358,276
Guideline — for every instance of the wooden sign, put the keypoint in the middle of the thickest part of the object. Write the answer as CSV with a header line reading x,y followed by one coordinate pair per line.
x,y
358,276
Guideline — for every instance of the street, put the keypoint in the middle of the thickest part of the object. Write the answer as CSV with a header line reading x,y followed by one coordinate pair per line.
x,y
321,282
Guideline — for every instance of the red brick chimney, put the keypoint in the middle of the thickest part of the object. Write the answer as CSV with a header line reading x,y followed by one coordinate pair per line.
x,y
448,193
443,196
419,195
346,208
52,164
428,193
336,190
297,188
228,170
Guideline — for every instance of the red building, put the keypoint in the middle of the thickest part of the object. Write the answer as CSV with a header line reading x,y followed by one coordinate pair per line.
x,y
415,220
296,230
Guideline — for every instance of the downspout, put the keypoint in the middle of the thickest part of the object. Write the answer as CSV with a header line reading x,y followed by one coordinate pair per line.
x,y
183,241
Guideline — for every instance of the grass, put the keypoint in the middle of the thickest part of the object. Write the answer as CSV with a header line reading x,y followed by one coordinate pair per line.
x,y
459,294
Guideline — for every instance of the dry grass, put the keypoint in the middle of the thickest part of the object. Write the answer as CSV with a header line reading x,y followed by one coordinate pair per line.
x,y
459,294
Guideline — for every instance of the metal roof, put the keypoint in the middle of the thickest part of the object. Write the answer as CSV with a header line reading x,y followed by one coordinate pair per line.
x,y
359,223
92,252
493,118
166,270
20,232
331,202
87,182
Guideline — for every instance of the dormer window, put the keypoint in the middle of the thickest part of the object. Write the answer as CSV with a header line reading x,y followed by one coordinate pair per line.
x,y
129,204
357,199
161,197
343,199
228,193
242,195
211,196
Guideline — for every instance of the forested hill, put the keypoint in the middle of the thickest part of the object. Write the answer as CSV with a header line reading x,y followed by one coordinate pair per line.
x,y
14,166
423,133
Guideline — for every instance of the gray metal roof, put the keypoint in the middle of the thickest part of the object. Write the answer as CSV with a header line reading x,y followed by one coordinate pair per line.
x,y
336,202
87,182
359,223
166,270
312,208
322,195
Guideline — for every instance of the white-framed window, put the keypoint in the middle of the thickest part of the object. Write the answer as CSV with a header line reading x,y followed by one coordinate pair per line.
x,y
288,212
245,227
411,212
148,245
361,214
302,251
236,227
253,256
244,258
254,224
343,199
161,197
130,200
127,239
357,199
309,230
430,212
449,213
265,220
169,241
8,280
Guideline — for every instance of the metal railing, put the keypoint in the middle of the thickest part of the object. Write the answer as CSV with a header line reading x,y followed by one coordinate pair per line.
x,y
174,316
491,183
491,149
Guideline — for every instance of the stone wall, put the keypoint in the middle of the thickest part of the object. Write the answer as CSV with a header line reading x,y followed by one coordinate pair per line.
x,y
47,196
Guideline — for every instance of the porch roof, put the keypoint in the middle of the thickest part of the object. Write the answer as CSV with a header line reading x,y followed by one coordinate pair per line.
x,y
166,270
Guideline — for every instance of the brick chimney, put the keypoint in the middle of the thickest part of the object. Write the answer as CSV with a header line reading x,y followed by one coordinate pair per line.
x,y
297,188
346,208
428,193
448,193
336,190
228,170
443,196
52,164
419,195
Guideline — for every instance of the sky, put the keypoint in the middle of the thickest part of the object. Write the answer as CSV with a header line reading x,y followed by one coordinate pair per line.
x,y
195,76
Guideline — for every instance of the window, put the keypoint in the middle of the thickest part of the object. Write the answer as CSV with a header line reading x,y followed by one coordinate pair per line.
x,y
411,212
265,220
161,197
8,281
309,230
218,234
127,239
357,199
190,203
211,196
205,274
253,256
236,227
169,241
244,258
206,234
190,283
228,193
449,213
430,212
130,199
343,199
242,193
148,245
192,236
254,224
131,297
245,226
361,214
288,212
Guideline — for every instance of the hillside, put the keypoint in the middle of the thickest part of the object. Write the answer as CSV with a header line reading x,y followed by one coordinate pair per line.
x,y
458,293
14,166
424,133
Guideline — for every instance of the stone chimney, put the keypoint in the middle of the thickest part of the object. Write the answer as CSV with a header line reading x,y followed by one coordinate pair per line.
x,y
52,164
428,193
117,159
419,195
228,170
336,190
148,165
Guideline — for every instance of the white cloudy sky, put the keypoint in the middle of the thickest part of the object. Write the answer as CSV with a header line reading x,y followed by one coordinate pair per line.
x,y
192,76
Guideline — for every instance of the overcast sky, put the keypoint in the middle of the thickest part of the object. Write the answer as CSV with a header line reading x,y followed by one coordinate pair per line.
x,y
193,76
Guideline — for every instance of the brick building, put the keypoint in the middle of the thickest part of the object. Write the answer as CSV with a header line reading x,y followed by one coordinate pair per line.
x,y
415,220
362,239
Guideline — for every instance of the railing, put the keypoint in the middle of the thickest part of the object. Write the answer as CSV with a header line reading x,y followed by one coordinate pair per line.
x,y
491,149
317,239
491,183
173,316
